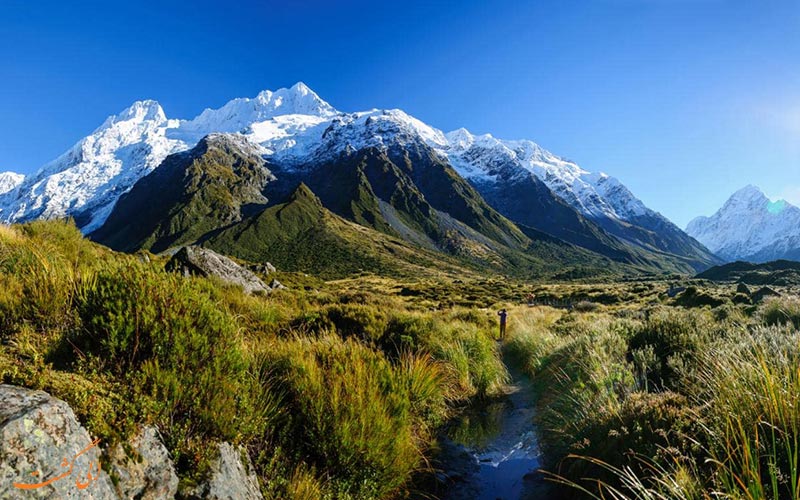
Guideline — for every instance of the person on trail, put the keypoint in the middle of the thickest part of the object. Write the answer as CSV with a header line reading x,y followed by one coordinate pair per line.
x,y
502,313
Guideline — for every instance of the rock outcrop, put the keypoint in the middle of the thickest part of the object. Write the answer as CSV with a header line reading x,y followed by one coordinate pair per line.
x,y
41,441
194,260
143,469
231,477
43,445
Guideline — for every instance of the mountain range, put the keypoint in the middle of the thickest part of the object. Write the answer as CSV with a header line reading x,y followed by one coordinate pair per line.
x,y
142,180
751,227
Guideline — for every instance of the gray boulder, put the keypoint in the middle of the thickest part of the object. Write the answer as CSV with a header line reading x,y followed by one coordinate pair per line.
x,y
231,477
276,285
42,441
194,260
742,288
265,268
145,470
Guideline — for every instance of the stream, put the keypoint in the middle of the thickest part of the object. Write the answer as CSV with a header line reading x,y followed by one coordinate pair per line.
x,y
491,452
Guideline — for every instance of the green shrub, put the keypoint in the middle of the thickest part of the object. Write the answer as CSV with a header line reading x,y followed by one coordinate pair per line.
x,y
692,297
675,338
350,413
648,429
470,351
585,306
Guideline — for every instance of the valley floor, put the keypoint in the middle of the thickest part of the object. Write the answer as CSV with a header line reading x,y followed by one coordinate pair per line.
x,y
379,388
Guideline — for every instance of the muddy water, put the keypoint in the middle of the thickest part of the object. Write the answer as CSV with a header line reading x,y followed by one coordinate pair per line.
x,y
491,452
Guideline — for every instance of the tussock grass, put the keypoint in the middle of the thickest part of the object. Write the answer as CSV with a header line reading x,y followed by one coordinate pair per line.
x,y
335,391
669,403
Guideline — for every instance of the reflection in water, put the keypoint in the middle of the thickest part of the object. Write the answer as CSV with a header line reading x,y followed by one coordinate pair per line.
x,y
489,451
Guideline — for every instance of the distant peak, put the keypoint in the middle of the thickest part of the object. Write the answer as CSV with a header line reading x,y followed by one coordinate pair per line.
x,y
461,138
748,191
143,110
302,88
297,99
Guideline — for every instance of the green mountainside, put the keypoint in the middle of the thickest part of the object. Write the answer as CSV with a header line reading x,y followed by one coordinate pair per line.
x,y
393,212
188,195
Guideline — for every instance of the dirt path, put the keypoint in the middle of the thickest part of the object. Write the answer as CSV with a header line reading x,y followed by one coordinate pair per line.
x,y
492,452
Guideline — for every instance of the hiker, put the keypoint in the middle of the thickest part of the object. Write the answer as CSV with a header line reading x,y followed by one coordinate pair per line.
x,y
502,313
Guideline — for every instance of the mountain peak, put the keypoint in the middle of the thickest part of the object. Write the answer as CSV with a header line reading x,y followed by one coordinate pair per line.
x,y
9,181
142,111
298,99
748,192
241,114
302,88
751,227
146,111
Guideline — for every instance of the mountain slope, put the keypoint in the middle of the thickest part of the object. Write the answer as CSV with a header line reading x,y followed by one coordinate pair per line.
x,y
190,194
497,167
750,227
302,235
299,132
393,213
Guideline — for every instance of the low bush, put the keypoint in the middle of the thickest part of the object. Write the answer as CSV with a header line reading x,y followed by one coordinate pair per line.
x,y
350,411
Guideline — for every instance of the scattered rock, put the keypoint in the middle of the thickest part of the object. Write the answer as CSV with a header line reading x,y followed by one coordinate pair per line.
x,y
742,288
39,433
265,268
231,477
144,472
194,260
276,285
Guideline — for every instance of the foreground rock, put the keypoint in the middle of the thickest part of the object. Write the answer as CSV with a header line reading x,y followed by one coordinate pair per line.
x,y
194,260
231,477
42,441
144,471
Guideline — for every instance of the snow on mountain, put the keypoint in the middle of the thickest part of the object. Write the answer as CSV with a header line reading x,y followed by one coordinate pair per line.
x,y
238,114
751,227
482,158
9,181
94,172
86,181
295,127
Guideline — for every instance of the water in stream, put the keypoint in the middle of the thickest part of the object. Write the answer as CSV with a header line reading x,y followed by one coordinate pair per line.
x,y
491,452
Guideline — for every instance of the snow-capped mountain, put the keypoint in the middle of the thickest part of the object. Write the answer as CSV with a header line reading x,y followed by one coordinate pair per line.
x,y
87,180
481,158
10,181
297,129
751,227
603,199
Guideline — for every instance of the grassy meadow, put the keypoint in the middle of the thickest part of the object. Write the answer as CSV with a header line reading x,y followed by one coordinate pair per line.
x,y
692,397
338,389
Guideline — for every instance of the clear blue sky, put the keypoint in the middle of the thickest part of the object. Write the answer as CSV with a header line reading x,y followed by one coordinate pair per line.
x,y
684,100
